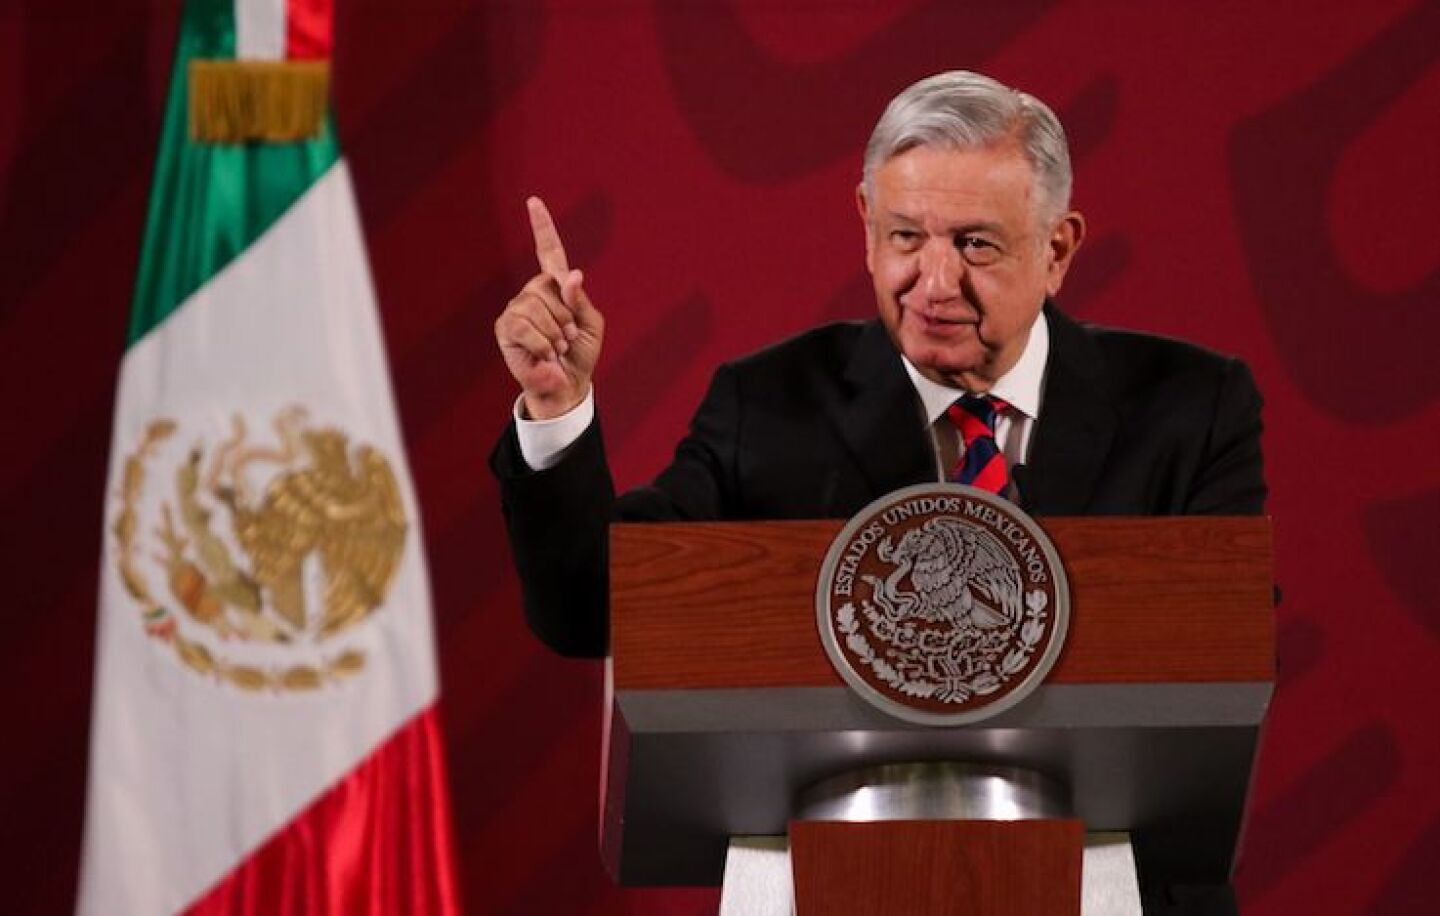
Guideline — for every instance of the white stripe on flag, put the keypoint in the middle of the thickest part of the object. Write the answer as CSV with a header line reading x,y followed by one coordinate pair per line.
x,y
260,29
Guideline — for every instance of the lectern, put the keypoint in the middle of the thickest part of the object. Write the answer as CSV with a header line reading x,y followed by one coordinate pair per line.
x,y
724,712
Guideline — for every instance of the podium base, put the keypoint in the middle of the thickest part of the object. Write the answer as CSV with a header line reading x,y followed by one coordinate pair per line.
x,y
758,880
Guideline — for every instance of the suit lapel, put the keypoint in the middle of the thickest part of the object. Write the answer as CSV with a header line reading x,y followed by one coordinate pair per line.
x,y
1077,423
878,418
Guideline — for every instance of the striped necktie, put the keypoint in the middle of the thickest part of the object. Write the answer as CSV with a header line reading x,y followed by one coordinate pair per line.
x,y
981,464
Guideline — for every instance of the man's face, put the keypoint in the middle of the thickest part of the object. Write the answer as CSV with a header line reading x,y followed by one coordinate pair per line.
x,y
961,258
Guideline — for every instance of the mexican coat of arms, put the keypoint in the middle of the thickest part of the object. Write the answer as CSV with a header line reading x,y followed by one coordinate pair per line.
x,y
268,553
942,604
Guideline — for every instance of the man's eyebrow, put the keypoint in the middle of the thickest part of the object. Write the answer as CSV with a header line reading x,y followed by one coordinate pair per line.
x,y
953,229
978,226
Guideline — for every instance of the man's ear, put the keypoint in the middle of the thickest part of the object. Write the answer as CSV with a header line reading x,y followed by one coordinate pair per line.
x,y
862,204
1064,241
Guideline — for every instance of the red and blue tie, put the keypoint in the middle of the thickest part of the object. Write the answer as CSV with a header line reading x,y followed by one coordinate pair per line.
x,y
982,464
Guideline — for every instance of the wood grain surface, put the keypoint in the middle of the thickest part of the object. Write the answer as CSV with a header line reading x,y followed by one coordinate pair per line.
x,y
732,604
927,868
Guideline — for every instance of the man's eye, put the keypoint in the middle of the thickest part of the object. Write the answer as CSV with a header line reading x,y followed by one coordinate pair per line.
x,y
977,249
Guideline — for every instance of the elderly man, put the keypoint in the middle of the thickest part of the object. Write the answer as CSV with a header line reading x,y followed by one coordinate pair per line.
x,y
971,374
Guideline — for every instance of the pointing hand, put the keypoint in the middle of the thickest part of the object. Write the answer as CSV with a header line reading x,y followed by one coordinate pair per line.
x,y
550,333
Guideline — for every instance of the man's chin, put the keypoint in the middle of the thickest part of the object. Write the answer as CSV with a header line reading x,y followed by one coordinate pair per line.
x,y
945,360
949,369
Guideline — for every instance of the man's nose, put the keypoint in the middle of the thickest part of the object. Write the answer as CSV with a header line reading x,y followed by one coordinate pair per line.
x,y
940,271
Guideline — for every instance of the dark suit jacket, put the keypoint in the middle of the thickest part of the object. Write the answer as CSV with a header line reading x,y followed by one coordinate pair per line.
x,y
822,424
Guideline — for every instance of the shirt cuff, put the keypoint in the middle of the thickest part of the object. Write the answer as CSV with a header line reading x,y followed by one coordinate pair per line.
x,y
544,442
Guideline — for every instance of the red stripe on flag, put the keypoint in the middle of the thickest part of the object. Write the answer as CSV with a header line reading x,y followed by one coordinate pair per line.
x,y
378,842
309,29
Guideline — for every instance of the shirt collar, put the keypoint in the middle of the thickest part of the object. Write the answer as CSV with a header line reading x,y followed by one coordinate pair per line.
x,y
1020,387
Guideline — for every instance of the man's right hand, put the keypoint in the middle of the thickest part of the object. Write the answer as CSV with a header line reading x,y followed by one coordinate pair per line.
x,y
550,333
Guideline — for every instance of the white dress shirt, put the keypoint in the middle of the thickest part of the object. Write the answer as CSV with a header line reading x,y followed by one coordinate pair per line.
x,y
544,442
1014,428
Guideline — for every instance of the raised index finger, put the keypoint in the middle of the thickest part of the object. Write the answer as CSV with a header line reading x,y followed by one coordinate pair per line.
x,y
549,251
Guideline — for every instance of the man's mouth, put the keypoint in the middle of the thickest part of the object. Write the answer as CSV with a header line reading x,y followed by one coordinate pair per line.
x,y
945,322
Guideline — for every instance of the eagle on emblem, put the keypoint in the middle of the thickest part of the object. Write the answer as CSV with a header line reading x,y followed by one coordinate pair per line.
x,y
959,574
340,505
345,509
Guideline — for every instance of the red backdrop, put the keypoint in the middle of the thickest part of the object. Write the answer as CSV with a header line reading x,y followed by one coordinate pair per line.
x,y
1259,179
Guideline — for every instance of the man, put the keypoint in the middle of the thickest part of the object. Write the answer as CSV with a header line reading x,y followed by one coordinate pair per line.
x,y
965,203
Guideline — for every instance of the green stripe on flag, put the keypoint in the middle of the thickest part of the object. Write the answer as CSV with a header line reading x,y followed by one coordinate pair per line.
x,y
210,202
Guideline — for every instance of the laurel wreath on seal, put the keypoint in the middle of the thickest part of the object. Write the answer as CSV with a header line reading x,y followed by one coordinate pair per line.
x,y
188,585
1032,631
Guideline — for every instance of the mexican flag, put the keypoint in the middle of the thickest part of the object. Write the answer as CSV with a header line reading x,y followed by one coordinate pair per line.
x,y
264,735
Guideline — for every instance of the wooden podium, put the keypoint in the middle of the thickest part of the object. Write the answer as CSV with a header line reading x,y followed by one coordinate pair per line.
x,y
722,708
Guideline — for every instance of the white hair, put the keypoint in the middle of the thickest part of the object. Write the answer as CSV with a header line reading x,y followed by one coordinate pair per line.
x,y
960,109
